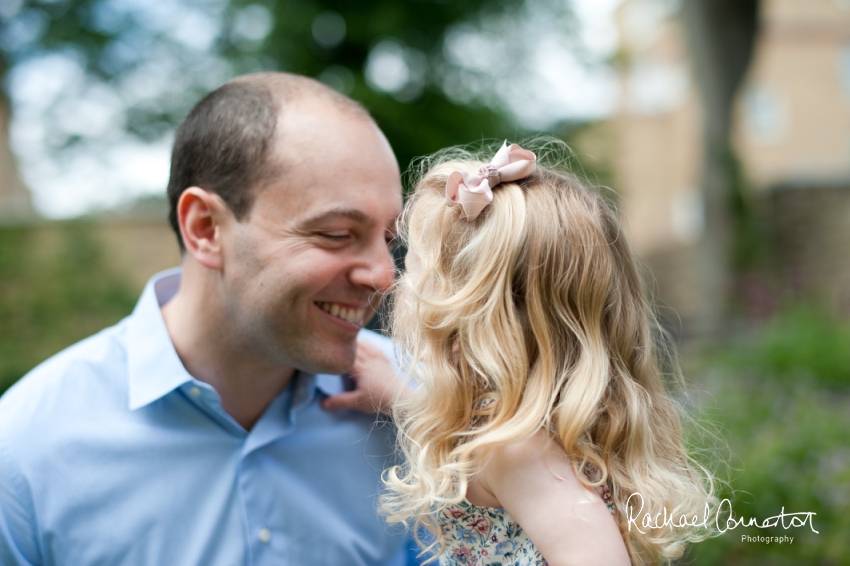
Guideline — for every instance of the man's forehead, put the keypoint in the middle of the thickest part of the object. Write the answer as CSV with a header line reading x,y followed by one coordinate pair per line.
x,y
334,164
302,119
312,143
303,188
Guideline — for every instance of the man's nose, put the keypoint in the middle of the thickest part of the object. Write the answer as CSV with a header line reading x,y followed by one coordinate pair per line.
x,y
377,270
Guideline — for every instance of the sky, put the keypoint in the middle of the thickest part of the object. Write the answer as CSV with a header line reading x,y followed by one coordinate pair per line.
x,y
51,97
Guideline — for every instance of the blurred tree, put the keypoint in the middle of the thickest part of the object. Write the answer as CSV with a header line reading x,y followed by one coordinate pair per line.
x,y
389,55
152,61
720,35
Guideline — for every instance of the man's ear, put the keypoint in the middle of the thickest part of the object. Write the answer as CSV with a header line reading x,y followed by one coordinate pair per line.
x,y
200,215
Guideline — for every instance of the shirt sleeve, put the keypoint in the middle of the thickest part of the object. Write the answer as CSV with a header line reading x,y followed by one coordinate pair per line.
x,y
18,540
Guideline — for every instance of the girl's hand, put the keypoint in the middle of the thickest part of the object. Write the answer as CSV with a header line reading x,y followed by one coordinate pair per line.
x,y
376,383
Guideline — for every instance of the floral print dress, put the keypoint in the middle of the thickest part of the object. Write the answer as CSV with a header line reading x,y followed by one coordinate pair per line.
x,y
483,536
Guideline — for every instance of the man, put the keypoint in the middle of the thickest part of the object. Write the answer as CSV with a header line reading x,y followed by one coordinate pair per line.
x,y
193,433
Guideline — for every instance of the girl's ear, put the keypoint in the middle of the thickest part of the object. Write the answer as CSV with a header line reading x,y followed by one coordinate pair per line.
x,y
200,215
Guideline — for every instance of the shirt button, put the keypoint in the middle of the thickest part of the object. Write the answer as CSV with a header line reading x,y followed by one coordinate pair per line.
x,y
264,535
195,392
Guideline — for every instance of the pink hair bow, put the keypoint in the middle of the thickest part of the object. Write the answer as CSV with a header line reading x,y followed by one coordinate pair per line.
x,y
473,192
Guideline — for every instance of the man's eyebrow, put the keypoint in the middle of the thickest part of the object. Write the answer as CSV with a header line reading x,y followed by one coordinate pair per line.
x,y
349,213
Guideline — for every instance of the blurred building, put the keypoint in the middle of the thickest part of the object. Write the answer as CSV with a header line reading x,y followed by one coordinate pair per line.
x,y
791,131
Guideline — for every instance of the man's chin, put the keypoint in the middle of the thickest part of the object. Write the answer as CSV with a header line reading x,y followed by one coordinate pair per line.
x,y
333,361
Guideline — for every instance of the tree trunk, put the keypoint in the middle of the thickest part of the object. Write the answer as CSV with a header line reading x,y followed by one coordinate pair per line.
x,y
720,37
15,201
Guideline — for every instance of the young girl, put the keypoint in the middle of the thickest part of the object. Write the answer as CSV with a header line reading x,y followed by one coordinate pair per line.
x,y
540,407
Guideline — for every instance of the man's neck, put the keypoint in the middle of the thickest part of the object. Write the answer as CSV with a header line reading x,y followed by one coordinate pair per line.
x,y
244,379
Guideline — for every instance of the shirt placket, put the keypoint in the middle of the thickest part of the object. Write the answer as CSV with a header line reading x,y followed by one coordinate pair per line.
x,y
265,525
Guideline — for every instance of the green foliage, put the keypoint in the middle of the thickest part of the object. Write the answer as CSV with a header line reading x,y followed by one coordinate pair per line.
x,y
121,46
55,289
801,345
782,403
416,122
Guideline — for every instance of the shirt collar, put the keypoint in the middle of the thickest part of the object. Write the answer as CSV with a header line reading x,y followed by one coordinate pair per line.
x,y
329,384
154,368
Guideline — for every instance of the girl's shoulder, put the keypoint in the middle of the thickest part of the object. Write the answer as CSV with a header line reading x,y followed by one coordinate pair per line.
x,y
537,484
537,460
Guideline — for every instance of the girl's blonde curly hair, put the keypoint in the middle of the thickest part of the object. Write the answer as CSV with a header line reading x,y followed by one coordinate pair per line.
x,y
533,316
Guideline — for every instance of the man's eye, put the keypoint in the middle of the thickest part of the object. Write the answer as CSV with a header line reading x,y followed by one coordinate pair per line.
x,y
335,236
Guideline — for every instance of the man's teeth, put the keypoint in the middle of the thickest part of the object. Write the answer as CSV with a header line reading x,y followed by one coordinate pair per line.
x,y
354,316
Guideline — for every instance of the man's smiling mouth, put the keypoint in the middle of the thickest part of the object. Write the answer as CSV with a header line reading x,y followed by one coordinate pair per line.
x,y
348,314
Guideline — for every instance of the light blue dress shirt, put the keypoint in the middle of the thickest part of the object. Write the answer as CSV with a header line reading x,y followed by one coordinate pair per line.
x,y
112,454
